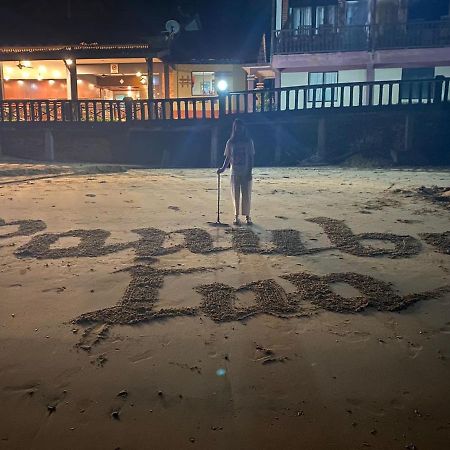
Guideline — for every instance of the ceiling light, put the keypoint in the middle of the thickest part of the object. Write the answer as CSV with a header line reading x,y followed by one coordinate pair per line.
x,y
69,62
56,73
51,82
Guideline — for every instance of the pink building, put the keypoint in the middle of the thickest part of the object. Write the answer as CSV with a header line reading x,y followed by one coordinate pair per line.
x,y
340,41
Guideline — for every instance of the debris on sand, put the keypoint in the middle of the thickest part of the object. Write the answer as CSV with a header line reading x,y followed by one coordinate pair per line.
x,y
439,240
25,227
436,194
344,239
267,356
381,202
92,336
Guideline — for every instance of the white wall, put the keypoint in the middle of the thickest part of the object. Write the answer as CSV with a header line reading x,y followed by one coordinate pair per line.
x,y
444,71
352,76
289,79
301,79
386,75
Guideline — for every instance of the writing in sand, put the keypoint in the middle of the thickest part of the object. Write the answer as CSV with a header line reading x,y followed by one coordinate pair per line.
x,y
151,241
219,301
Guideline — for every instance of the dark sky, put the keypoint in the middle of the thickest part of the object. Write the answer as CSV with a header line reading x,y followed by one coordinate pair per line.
x,y
230,28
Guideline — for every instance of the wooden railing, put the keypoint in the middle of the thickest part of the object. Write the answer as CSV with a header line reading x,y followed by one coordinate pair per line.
x,y
308,39
341,95
298,98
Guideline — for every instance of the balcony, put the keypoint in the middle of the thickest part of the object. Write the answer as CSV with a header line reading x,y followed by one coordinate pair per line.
x,y
328,39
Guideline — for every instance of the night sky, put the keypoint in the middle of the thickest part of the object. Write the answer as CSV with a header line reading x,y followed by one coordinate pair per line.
x,y
230,28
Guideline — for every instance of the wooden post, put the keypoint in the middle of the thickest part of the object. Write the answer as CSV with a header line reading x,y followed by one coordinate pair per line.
x,y
128,108
321,138
251,83
166,81
409,132
222,105
72,82
2,93
278,144
215,133
438,88
49,146
149,62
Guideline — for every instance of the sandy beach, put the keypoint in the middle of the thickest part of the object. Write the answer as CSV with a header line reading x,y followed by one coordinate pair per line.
x,y
128,322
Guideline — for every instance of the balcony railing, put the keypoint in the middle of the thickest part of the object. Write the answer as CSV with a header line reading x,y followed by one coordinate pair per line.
x,y
307,39
303,99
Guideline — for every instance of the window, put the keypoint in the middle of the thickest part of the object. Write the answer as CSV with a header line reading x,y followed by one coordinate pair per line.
x,y
319,78
313,16
203,83
357,12
416,90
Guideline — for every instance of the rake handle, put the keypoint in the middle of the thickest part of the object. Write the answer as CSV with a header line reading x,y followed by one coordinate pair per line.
x,y
218,198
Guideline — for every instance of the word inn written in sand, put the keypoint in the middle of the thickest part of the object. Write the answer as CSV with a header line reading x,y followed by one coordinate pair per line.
x,y
219,301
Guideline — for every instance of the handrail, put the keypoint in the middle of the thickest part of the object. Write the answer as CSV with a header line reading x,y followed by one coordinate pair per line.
x,y
371,94
332,38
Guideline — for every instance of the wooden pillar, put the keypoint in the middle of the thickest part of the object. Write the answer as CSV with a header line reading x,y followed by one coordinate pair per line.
x,y
49,146
278,144
409,132
2,93
166,81
284,12
251,84
321,138
72,82
149,62
215,133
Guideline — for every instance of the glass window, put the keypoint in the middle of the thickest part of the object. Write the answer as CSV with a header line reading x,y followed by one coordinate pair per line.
x,y
203,83
313,16
301,17
319,78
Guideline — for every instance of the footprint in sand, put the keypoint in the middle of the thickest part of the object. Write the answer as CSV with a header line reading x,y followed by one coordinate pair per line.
x,y
414,350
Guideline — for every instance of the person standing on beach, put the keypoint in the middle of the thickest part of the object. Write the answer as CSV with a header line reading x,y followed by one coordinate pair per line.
x,y
240,154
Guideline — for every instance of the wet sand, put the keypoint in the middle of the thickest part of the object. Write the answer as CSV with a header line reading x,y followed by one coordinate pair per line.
x,y
321,334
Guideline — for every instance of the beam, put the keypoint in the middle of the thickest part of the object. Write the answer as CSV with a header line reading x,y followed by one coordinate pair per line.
x,y
166,81
2,92
149,62
72,81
